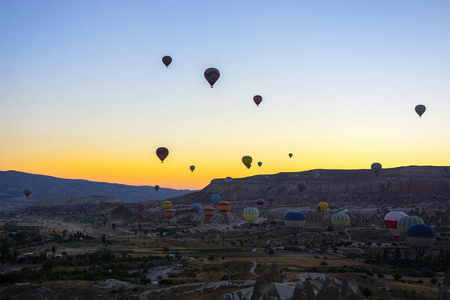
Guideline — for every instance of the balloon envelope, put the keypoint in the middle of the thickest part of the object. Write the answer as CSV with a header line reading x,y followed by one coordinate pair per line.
x,y
259,163
340,221
421,237
196,207
167,204
404,223
391,219
192,168
294,221
27,192
301,185
257,99
162,153
323,206
376,168
270,200
140,207
420,109
290,155
216,199
156,187
167,60
169,214
209,212
228,180
247,160
212,75
250,214
223,207
260,202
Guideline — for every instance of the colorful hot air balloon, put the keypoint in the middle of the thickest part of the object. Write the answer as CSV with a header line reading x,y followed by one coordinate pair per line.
x,y
376,168
167,204
257,99
216,199
247,160
169,214
391,219
404,223
223,207
209,212
27,192
294,220
421,237
196,207
156,187
270,200
259,164
290,155
250,214
140,207
260,202
301,185
340,221
420,109
162,153
323,206
192,168
211,75
167,60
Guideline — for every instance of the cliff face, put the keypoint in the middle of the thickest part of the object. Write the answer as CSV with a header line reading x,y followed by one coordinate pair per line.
x,y
396,186
77,200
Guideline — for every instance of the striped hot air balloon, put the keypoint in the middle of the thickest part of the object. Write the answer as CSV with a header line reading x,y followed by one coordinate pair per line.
x,y
421,237
404,223
294,221
141,207
223,207
216,199
251,214
391,220
167,204
340,221
260,202
196,207
209,212
169,214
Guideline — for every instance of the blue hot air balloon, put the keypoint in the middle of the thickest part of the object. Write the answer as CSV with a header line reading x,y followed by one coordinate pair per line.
x,y
216,199
196,207
421,237
294,220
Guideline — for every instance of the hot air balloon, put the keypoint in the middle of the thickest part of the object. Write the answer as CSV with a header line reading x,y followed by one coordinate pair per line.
x,y
290,155
376,168
270,200
420,109
156,187
196,207
294,220
223,207
209,212
169,214
301,185
250,214
27,192
259,164
140,207
162,153
216,199
228,180
257,99
323,206
340,221
211,75
247,160
260,202
192,168
167,60
391,219
421,237
404,223
167,204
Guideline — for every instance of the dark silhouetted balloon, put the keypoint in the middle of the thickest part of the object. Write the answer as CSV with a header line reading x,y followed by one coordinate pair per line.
x,y
167,60
162,153
290,155
257,99
420,109
192,168
212,75
247,161
301,185
27,192
156,187
259,163
140,207
376,168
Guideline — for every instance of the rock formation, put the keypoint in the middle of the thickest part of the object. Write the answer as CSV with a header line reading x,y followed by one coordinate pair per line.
x,y
77,200
350,290
264,288
444,289
121,215
329,291
304,292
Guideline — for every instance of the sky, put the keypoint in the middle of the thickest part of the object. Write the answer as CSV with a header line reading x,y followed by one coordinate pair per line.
x,y
84,93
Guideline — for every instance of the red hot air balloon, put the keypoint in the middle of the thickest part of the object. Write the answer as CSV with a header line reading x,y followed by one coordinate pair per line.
x,y
211,75
257,99
391,219
162,153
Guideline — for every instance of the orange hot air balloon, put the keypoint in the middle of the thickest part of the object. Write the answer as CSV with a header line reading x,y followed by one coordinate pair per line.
x,y
162,153
169,214
209,212
224,207
140,207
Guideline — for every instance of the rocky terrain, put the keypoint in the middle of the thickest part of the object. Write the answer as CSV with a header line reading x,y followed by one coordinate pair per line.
x,y
77,200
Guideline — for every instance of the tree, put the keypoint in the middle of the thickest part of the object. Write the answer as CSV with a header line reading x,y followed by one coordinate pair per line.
x,y
113,226
145,231
104,240
53,249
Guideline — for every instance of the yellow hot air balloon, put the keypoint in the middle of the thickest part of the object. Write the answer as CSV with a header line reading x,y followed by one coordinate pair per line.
x,y
247,160
167,204
340,221
323,206
251,214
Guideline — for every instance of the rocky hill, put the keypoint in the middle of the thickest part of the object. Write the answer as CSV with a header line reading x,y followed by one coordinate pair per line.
x,y
77,200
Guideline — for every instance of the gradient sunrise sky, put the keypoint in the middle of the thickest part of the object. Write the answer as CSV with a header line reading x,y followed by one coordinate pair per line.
x,y
84,94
